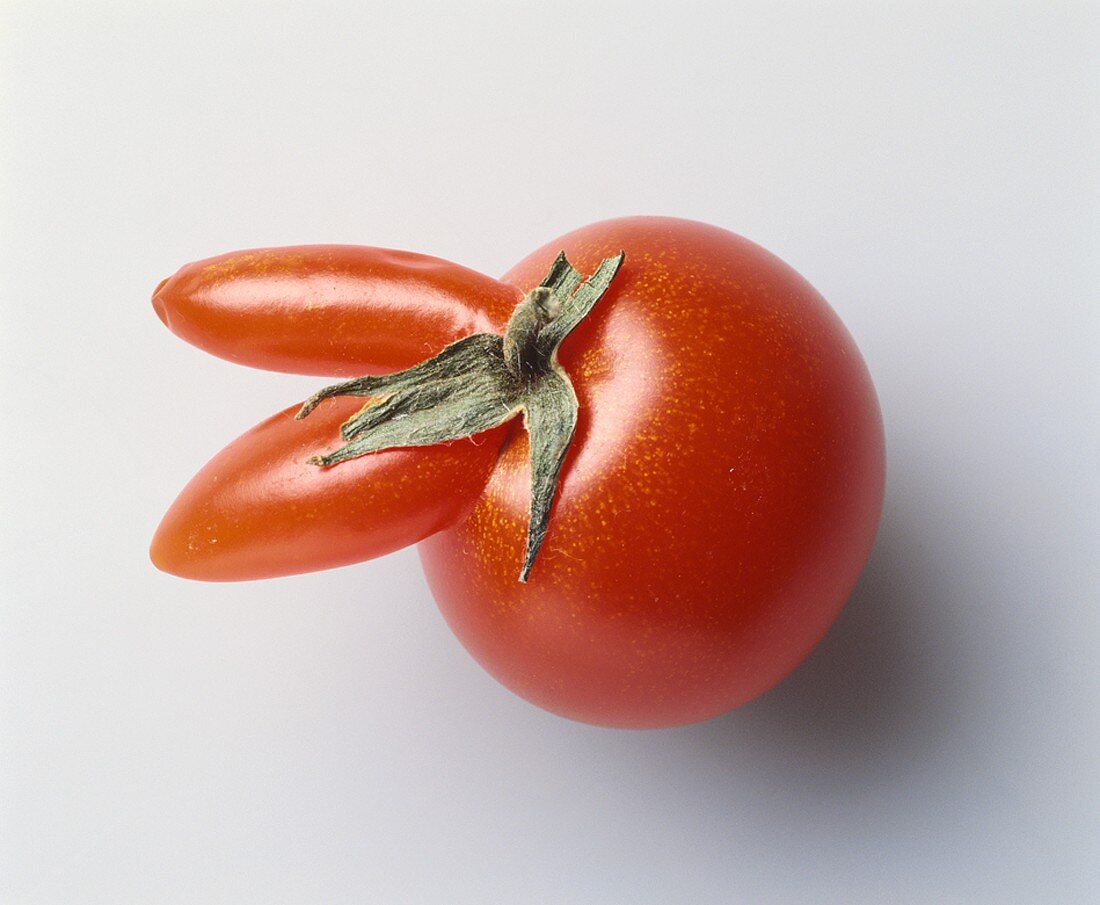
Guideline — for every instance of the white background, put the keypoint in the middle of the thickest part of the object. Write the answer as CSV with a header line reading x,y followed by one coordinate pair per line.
x,y
932,169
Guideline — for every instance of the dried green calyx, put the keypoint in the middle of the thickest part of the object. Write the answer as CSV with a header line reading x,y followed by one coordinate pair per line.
x,y
482,381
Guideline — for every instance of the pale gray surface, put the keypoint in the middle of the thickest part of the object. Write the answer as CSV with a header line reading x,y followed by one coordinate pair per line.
x,y
324,738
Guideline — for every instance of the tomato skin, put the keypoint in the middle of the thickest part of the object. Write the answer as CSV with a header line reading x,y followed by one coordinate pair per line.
x,y
259,510
338,310
716,507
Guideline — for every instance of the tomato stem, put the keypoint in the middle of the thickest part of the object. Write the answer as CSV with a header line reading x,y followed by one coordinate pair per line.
x,y
482,381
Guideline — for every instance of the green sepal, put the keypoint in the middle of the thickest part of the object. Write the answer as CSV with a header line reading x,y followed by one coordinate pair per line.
x,y
480,382
550,417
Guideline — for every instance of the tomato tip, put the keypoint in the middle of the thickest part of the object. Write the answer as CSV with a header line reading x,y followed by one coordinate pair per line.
x,y
158,303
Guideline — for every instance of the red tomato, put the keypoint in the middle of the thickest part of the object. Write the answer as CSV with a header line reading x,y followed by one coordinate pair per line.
x,y
716,505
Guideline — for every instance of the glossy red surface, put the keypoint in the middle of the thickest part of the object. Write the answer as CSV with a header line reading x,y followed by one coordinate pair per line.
x,y
718,503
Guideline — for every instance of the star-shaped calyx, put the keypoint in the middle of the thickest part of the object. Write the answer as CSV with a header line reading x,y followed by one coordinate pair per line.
x,y
481,381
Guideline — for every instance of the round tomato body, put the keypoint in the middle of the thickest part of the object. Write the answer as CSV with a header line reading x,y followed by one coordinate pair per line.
x,y
716,506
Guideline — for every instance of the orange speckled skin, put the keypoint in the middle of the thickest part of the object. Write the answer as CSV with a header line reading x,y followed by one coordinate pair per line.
x,y
715,509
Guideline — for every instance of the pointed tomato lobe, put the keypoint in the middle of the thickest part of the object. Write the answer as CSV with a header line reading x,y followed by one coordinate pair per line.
x,y
258,509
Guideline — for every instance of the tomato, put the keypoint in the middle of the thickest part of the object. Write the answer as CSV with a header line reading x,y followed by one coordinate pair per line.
x,y
711,514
